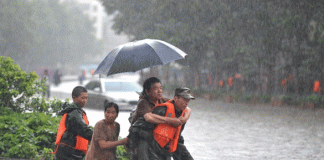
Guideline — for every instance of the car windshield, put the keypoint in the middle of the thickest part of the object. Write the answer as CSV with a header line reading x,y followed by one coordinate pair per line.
x,y
122,87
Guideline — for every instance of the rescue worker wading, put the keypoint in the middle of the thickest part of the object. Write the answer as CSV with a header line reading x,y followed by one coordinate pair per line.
x,y
166,140
74,133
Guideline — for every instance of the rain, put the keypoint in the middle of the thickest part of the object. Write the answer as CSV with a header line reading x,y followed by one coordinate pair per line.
x,y
254,66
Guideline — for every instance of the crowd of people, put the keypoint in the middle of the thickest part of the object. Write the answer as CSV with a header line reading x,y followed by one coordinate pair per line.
x,y
154,134
235,82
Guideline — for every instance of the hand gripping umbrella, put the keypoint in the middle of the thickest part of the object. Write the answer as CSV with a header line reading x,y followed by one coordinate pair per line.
x,y
134,56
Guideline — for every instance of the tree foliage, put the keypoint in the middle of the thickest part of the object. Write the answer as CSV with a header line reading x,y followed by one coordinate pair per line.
x,y
17,87
28,122
28,136
25,135
260,39
44,33
21,92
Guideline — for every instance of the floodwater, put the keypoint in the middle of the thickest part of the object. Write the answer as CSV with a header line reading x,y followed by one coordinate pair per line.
x,y
226,131
223,131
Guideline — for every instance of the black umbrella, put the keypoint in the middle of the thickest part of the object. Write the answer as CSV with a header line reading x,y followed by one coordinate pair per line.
x,y
134,56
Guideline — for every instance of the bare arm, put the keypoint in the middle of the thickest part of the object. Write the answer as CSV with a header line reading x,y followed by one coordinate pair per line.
x,y
111,144
157,119
186,115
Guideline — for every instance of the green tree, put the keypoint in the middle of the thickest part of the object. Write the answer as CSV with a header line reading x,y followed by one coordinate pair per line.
x,y
16,30
44,33
257,38
17,87
64,33
177,22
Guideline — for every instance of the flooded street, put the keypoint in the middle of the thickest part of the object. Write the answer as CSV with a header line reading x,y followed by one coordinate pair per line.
x,y
225,131
219,130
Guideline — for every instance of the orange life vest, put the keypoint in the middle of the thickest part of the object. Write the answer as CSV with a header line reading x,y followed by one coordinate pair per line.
x,y
230,81
163,133
81,143
317,86
284,81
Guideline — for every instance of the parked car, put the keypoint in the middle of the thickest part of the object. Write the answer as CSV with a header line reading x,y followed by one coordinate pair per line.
x,y
121,91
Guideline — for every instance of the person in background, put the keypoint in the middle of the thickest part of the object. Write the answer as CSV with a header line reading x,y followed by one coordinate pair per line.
x,y
82,77
317,87
57,77
221,84
105,136
46,80
74,133
150,96
284,85
92,72
230,83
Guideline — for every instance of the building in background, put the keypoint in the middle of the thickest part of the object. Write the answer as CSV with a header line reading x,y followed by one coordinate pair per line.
x,y
96,13
103,25
103,29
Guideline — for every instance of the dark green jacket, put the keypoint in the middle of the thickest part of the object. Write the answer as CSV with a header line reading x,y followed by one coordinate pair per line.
x,y
75,125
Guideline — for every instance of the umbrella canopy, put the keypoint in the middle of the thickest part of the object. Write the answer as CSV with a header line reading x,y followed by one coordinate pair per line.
x,y
134,56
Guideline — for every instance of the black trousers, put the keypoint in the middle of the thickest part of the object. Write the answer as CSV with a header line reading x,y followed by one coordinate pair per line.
x,y
141,152
152,151
181,153
157,153
67,153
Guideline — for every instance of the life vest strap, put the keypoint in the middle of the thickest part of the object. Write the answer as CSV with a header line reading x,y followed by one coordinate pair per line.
x,y
163,133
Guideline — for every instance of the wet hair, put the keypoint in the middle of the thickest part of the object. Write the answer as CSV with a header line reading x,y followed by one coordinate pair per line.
x,y
148,83
77,91
111,104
